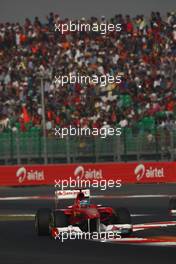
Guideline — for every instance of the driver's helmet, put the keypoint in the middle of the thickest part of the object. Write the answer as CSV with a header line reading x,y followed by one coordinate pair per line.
x,y
85,202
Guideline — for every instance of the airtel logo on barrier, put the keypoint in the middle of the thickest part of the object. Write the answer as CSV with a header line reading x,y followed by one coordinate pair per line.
x,y
81,173
141,171
22,174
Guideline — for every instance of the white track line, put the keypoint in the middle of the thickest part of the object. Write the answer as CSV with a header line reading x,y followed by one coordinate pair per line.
x,y
17,215
139,227
141,241
161,244
130,196
13,198
16,198
132,215
141,215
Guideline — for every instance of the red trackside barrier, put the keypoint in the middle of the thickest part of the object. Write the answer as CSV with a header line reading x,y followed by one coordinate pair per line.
x,y
144,172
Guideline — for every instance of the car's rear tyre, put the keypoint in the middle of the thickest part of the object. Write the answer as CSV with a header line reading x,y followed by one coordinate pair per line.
x,y
42,220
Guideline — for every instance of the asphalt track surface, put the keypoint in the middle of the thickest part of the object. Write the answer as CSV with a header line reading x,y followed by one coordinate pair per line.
x,y
147,203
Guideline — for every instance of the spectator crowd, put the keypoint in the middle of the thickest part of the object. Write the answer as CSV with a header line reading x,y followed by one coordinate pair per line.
x,y
143,53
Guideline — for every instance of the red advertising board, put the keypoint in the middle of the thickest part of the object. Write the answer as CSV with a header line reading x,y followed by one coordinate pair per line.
x,y
144,172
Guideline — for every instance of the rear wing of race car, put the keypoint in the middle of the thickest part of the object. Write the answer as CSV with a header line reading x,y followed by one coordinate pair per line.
x,y
69,194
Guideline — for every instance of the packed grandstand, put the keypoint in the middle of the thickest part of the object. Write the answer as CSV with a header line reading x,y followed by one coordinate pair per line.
x,y
143,53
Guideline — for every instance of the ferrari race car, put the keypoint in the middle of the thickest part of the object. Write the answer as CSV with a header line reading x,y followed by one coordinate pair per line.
x,y
82,216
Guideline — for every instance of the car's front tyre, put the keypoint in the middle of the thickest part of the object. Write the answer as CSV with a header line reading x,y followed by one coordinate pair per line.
x,y
42,221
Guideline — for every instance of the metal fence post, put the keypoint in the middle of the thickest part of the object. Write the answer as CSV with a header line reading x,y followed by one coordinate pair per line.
x,y
156,142
172,145
18,147
125,145
44,122
68,149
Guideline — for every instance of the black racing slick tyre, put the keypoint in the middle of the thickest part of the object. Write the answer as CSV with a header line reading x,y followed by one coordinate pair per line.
x,y
42,220
94,223
172,204
121,216
90,225
59,219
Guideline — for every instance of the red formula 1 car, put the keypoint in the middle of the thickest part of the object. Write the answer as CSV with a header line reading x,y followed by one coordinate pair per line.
x,y
82,216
